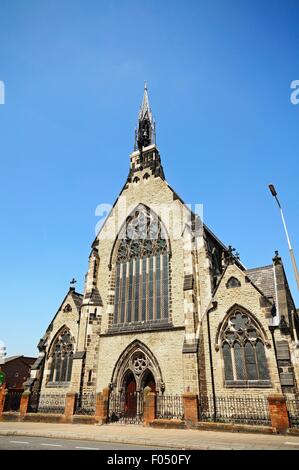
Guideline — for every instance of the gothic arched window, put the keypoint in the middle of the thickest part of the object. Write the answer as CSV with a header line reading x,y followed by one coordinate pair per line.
x,y
243,352
142,276
62,357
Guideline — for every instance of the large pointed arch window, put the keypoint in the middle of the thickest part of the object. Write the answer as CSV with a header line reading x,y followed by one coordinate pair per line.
x,y
61,358
243,352
142,270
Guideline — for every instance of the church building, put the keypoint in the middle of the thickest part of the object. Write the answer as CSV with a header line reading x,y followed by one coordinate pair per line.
x,y
167,305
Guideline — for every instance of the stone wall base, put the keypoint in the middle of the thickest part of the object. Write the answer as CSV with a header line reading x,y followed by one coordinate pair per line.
x,y
168,424
156,423
231,427
33,417
84,419
47,418
203,425
10,416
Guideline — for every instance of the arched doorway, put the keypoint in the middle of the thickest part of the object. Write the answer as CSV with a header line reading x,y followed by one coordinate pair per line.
x,y
136,369
140,360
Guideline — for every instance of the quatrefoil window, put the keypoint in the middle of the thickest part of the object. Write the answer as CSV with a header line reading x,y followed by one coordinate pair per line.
x,y
139,363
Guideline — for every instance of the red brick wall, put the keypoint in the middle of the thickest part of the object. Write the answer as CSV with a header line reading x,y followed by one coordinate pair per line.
x,y
17,371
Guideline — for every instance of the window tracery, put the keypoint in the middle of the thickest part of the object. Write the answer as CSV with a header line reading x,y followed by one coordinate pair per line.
x,y
142,270
62,358
243,351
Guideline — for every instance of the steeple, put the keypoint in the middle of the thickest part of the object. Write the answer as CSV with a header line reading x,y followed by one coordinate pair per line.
x,y
145,134
145,160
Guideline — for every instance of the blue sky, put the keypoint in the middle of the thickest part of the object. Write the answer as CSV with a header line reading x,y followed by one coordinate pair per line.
x,y
219,75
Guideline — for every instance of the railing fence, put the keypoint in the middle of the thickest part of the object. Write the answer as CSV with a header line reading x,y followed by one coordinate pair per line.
x,y
169,407
85,404
51,403
234,409
33,402
293,410
13,400
125,408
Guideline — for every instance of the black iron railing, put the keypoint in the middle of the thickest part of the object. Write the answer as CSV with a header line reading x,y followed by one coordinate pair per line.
x,y
85,404
33,402
293,410
125,408
51,403
169,407
234,409
13,400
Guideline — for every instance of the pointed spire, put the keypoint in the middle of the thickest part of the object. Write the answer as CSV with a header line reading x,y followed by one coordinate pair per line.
x,y
146,154
145,133
145,107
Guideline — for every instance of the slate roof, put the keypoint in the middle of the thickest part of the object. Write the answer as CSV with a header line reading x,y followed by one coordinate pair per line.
x,y
12,358
263,278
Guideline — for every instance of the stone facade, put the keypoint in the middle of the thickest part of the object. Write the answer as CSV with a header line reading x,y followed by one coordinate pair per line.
x,y
181,352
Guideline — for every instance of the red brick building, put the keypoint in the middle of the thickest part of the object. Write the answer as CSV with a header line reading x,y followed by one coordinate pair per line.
x,y
17,371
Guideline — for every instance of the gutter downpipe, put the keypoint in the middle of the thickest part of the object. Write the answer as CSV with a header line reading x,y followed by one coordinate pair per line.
x,y
211,309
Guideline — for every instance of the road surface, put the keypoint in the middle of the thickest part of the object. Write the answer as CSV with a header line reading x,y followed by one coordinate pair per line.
x,y
43,443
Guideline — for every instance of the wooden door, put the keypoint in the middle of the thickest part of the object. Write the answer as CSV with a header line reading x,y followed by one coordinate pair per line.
x,y
131,397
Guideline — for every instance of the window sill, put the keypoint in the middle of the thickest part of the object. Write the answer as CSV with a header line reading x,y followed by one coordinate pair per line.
x,y
139,326
248,384
58,384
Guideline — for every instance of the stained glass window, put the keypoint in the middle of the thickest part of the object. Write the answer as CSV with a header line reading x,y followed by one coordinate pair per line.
x,y
243,350
228,367
250,361
61,361
142,274
261,361
239,362
165,285
158,286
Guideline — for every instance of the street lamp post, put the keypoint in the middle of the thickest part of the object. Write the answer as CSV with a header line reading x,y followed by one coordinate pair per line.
x,y
274,194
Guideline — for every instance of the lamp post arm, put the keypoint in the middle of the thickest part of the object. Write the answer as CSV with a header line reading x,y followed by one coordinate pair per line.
x,y
285,229
274,194
294,266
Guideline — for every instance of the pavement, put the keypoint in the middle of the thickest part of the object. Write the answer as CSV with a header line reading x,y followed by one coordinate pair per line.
x,y
136,435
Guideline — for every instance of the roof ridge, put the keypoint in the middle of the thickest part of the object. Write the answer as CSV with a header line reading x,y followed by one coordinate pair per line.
x,y
259,267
